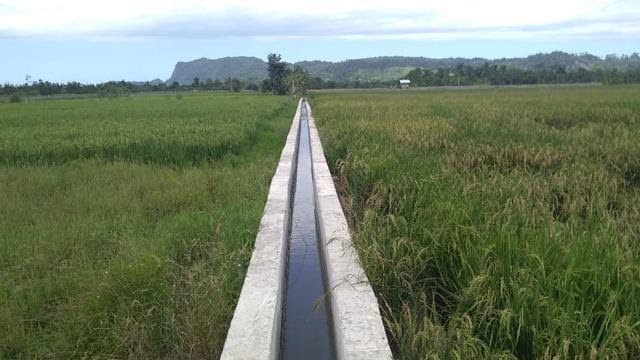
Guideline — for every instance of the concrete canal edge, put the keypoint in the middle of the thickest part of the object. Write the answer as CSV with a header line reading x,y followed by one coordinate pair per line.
x,y
255,330
358,329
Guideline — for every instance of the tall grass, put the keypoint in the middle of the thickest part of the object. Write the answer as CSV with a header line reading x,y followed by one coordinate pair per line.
x,y
495,223
137,253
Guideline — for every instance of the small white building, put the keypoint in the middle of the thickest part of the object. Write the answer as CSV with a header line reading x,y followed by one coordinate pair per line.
x,y
404,83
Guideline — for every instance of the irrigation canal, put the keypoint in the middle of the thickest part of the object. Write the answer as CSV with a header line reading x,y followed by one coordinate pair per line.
x,y
305,296
306,327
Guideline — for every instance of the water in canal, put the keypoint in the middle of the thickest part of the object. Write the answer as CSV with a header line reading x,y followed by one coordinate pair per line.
x,y
306,329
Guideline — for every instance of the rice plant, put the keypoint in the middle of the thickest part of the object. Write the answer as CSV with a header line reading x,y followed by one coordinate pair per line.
x,y
148,129
126,224
500,223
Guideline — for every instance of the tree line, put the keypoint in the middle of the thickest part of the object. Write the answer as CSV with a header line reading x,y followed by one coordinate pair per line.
x,y
503,75
115,88
294,81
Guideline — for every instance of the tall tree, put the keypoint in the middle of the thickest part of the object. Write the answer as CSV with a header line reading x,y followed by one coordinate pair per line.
x,y
236,84
277,71
227,84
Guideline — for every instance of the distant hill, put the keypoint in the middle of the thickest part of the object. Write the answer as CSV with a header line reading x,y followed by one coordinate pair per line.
x,y
245,68
572,62
386,68
378,68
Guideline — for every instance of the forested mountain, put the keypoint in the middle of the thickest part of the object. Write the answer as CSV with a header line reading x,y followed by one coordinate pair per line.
x,y
387,68
244,68
382,68
572,62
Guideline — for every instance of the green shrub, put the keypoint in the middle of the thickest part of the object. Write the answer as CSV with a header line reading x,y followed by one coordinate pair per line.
x,y
15,98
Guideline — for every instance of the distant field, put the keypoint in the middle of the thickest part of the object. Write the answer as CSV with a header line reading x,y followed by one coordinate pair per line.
x,y
495,223
126,224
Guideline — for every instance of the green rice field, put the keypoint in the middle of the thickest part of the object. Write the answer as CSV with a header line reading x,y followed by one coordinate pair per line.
x,y
126,224
495,223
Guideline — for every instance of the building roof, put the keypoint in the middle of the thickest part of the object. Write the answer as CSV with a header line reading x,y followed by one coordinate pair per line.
x,y
405,81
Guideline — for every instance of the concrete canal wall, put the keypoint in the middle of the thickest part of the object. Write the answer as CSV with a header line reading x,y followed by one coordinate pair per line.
x,y
255,329
359,332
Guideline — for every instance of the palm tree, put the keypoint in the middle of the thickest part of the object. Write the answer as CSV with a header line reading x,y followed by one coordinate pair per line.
x,y
297,80
289,79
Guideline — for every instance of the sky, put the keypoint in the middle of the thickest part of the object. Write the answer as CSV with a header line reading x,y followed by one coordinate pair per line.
x,y
95,41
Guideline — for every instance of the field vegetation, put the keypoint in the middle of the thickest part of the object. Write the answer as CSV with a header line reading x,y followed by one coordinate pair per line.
x,y
126,224
498,223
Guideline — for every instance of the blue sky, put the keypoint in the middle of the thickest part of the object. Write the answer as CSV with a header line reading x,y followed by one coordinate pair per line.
x,y
94,41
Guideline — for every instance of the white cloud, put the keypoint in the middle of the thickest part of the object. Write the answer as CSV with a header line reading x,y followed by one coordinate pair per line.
x,y
372,19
